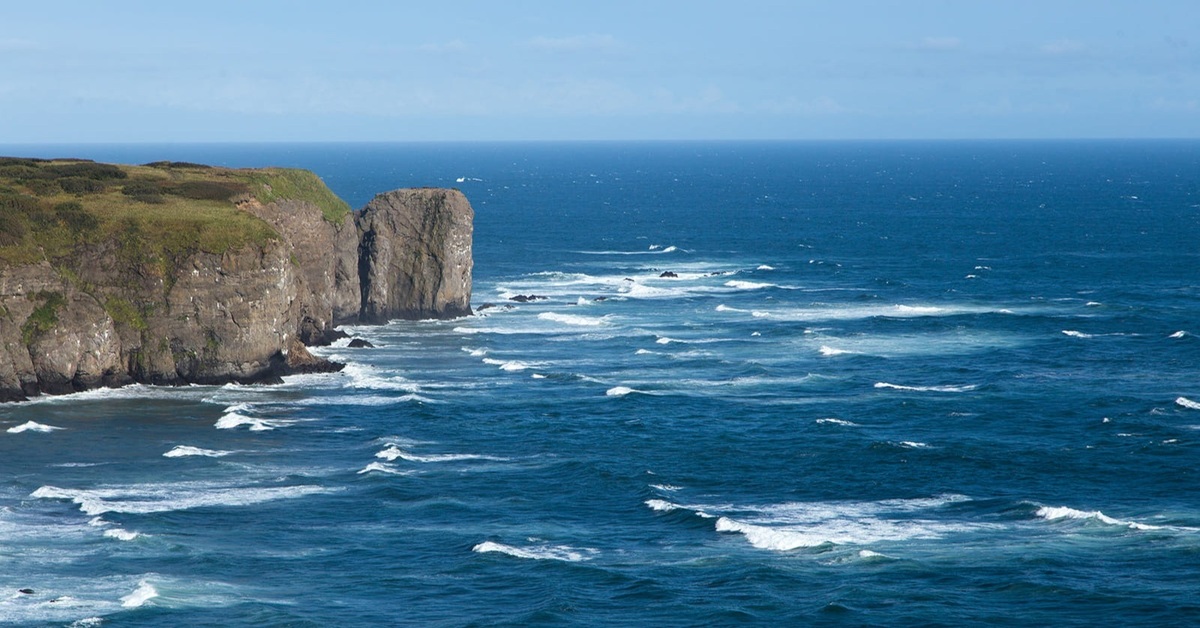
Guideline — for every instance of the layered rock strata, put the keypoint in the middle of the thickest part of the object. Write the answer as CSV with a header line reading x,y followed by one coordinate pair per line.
x,y
241,316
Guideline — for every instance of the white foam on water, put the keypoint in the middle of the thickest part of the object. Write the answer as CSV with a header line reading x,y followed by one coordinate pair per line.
x,y
381,467
509,365
539,552
661,505
644,352
181,451
833,421
120,534
1076,334
748,285
1093,304
765,267
475,353
670,488
726,308
365,376
394,452
233,420
795,525
151,498
87,622
574,319
538,376
1187,403
142,594
1053,513
1179,334
825,312
949,389
829,352
32,426
663,340
913,444
621,391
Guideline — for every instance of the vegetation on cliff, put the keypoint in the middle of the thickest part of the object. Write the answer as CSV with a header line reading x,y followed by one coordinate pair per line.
x,y
163,211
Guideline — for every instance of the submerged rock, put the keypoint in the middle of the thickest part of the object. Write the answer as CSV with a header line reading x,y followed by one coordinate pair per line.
x,y
359,343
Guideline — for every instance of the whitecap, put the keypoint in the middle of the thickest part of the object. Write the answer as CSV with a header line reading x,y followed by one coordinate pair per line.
x,y
150,498
574,319
1076,334
953,389
1179,334
913,444
1187,403
233,420
32,426
833,421
380,467
748,285
508,365
538,376
394,452
828,351
643,352
180,451
670,488
661,505
1093,304
142,594
1052,513
765,267
539,552
120,534
621,391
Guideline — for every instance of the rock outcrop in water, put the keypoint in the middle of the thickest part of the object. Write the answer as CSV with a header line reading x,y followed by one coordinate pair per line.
x,y
122,301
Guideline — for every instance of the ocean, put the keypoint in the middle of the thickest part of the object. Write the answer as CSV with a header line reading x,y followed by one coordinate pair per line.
x,y
845,383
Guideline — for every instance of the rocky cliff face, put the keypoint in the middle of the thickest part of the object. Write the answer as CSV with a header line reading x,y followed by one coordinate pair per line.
x,y
243,315
415,255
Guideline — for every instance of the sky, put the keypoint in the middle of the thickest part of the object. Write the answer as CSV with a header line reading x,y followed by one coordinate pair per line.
x,y
476,70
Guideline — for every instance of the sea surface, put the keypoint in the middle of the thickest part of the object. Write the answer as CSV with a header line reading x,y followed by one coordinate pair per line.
x,y
887,384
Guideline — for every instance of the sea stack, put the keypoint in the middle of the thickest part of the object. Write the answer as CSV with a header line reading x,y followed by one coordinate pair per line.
x,y
415,255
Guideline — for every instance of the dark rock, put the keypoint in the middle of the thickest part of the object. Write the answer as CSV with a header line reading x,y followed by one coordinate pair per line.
x,y
299,360
526,298
669,274
485,306
414,256
25,591
359,343
600,299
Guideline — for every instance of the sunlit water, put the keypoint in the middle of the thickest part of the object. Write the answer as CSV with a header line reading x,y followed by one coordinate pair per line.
x,y
893,383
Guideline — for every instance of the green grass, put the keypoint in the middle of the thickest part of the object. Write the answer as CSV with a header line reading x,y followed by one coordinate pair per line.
x,y
155,214
272,184
44,317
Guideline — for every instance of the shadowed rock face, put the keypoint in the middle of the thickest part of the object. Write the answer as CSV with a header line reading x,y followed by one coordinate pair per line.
x,y
415,255
244,315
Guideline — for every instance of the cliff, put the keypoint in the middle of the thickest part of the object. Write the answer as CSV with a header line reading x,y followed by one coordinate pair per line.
x,y
179,273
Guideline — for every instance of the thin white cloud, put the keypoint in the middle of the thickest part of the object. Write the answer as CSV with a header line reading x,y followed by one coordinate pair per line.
x,y
1063,47
938,44
452,46
575,43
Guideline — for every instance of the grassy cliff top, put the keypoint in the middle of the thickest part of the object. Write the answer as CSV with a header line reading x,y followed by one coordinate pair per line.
x,y
49,208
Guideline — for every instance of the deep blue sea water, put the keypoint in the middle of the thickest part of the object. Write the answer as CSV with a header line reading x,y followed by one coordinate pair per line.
x,y
891,384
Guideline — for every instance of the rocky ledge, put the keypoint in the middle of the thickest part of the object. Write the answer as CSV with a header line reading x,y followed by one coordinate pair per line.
x,y
148,276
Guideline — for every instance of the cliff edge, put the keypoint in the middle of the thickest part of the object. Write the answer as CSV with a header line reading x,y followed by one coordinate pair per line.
x,y
175,273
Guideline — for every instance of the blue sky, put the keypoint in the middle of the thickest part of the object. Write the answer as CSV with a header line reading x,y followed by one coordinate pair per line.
x,y
210,70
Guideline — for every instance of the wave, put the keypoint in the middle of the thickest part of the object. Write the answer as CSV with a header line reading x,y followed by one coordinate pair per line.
x,y
151,498
1076,334
654,249
1187,403
380,467
833,421
142,594
765,267
749,285
394,452
822,312
949,389
365,376
1053,513
508,365
574,319
121,535
1179,334
539,552
621,391
828,351
795,525
180,451
670,488
231,420
32,426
